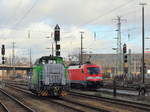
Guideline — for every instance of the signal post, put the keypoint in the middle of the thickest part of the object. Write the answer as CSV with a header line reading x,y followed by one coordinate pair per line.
x,y
125,60
57,39
3,62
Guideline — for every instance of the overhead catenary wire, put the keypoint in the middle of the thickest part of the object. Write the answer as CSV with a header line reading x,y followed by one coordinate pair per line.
x,y
48,32
126,13
122,5
132,29
109,12
26,14
14,12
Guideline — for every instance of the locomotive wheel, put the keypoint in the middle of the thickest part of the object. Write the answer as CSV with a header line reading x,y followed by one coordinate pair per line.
x,y
38,94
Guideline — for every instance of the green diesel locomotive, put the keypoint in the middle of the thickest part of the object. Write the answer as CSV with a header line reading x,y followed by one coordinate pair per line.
x,y
48,77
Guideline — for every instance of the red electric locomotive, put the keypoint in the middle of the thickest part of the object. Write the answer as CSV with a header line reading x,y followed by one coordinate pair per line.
x,y
86,75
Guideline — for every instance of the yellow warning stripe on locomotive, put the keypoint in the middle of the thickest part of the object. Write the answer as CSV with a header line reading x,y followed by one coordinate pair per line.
x,y
63,93
43,93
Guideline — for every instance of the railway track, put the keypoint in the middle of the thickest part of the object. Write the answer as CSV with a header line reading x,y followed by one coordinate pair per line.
x,y
130,87
110,87
14,104
16,83
119,92
73,105
120,88
79,107
142,106
63,101
101,91
3,108
18,86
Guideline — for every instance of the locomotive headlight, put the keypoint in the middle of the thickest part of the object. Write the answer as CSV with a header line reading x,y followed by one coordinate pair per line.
x,y
89,78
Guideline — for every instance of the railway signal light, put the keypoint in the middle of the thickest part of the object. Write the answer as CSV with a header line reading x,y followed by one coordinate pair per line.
x,y
125,58
145,69
57,50
57,38
3,60
3,50
57,53
57,47
57,33
124,48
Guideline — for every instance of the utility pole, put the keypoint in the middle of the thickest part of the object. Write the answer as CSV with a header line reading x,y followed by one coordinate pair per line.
x,y
3,59
143,34
115,61
30,57
81,61
13,52
13,56
52,50
119,46
129,63
52,46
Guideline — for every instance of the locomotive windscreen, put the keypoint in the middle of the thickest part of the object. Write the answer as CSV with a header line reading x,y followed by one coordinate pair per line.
x,y
93,70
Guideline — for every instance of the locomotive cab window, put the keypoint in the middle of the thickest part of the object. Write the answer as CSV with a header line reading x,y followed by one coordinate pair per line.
x,y
93,70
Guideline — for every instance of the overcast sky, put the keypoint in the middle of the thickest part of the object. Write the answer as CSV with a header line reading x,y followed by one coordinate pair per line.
x,y
19,18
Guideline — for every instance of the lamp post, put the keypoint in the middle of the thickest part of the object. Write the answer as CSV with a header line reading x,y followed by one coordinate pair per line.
x,y
81,60
143,34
